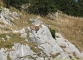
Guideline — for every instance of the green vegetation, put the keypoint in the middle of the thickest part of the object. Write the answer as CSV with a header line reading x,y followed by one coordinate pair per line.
x,y
0,10
43,7
52,32
70,7
15,3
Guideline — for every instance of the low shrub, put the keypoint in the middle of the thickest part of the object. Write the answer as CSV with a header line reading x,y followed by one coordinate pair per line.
x,y
0,10
52,32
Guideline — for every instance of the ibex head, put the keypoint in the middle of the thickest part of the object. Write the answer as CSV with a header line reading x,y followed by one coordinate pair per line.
x,y
35,27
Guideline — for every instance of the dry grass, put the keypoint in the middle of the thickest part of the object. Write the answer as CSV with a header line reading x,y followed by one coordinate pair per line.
x,y
72,29
1,3
22,21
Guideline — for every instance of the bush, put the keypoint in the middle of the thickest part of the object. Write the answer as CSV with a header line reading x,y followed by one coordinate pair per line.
x,y
0,9
15,3
42,7
52,33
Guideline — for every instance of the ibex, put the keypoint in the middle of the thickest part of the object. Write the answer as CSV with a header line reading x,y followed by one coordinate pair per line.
x,y
36,28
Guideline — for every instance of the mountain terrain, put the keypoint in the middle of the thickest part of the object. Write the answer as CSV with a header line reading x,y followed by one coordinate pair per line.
x,y
25,36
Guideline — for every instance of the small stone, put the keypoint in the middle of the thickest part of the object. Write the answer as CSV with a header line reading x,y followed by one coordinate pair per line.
x,y
22,31
24,35
15,14
8,37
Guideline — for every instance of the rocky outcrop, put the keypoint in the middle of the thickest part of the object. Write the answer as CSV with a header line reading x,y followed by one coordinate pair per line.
x,y
6,16
41,45
68,47
3,55
59,48
20,52
43,39
23,33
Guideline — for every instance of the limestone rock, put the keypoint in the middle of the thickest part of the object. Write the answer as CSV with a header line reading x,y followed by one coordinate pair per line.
x,y
24,35
20,51
39,58
44,40
8,37
60,48
6,16
68,47
31,20
6,10
22,31
3,55
63,56
15,14
15,31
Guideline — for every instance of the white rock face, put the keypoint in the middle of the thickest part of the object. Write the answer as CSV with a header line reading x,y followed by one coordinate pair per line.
x,y
48,48
24,35
20,51
45,41
3,55
63,56
39,58
6,18
68,47
22,31
15,15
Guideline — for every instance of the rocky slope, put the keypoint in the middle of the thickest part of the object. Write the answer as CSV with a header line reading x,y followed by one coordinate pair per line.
x,y
7,19
35,42
47,47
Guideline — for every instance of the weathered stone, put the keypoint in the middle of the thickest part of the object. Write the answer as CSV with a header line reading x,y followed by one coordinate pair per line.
x,y
68,47
39,58
3,39
45,41
15,31
3,55
6,10
15,14
1,26
22,31
20,51
6,16
31,20
8,37
50,16
64,56
24,35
